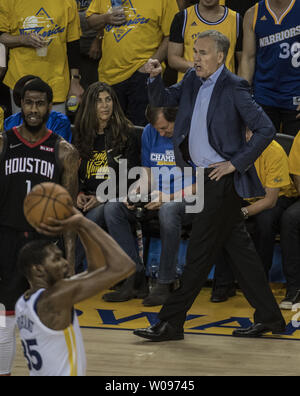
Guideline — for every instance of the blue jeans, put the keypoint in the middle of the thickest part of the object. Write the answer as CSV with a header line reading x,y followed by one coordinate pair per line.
x,y
172,216
97,216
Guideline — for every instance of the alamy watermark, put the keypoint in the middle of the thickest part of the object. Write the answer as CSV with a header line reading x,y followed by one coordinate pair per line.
x,y
185,185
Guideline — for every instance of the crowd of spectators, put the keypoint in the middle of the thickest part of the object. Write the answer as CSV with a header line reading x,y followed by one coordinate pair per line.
x,y
94,53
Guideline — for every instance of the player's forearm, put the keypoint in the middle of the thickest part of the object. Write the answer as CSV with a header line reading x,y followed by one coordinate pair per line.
x,y
162,51
103,251
12,41
94,253
261,205
247,68
97,21
179,63
69,244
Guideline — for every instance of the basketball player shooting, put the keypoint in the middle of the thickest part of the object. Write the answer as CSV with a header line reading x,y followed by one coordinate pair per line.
x,y
47,321
29,155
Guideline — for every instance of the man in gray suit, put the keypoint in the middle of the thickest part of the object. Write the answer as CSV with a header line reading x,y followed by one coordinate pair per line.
x,y
215,106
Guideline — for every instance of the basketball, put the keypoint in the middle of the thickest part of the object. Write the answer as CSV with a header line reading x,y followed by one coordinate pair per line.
x,y
47,200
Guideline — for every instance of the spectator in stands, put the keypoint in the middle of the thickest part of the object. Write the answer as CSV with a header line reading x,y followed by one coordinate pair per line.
x,y
240,6
271,60
236,5
90,47
263,215
26,28
103,137
290,235
187,26
130,39
157,153
57,122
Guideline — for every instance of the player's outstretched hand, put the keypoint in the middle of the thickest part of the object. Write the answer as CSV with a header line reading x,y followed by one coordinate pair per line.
x,y
55,227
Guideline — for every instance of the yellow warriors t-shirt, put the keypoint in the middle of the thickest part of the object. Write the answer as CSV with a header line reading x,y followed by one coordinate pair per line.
x,y
194,25
128,47
95,170
294,157
273,170
55,20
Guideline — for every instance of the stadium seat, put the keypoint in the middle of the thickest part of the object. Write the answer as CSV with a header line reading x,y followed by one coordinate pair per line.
x,y
286,141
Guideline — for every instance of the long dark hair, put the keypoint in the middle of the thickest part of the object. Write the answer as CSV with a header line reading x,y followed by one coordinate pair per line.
x,y
87,123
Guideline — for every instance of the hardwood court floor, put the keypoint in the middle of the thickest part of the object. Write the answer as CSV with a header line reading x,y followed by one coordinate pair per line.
x,y
208,348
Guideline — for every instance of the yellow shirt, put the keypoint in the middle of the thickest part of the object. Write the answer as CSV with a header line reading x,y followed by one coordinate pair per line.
x,y
1,119
128,47
294,157
273,170
57,21
195,24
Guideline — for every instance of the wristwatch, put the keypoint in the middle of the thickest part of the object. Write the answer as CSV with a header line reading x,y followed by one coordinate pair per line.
x,y
245,213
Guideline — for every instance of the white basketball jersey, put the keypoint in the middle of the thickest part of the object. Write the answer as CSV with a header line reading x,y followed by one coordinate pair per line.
x,y
49,352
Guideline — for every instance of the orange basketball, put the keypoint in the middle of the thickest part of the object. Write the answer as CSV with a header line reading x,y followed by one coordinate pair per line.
x,y
47,200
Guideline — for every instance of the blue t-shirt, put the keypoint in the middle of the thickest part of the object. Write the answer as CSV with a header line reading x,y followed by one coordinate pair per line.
x,y
158,154
58,123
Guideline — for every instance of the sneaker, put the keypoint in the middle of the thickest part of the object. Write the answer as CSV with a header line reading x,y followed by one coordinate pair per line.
x,y
286,304
290,300
296,299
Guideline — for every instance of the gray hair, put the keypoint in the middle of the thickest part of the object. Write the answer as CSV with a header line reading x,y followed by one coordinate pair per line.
x,y
222,42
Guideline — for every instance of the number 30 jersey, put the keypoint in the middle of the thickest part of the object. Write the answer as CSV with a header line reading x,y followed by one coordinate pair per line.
x,y
49,353
23,166
277,74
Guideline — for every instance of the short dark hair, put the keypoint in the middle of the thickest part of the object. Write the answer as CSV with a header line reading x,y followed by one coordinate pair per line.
x,y
40,86
34,253
18,88
152,113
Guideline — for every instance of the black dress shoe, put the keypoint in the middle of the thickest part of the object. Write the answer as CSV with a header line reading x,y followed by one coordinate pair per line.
x,y
162,331
257,330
